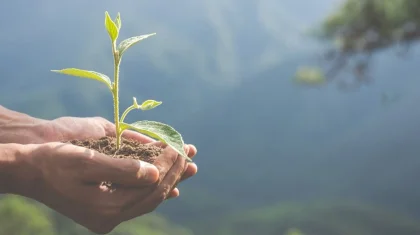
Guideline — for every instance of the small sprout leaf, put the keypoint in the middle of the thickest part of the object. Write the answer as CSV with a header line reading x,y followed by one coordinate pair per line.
x,y
125,44
165,133
111,27
150,104
118,21
135,104
86,74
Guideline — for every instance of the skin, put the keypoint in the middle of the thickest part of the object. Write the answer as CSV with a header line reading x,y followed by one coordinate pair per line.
x,y
35,163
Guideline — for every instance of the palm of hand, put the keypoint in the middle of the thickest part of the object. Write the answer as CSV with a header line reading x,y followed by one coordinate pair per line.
x,y
69,128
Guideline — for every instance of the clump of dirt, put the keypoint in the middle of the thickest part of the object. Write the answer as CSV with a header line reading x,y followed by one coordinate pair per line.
x,y
130,149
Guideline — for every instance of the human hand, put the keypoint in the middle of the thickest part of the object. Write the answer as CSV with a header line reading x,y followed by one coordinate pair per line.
x,y
67,179
20,128
28,130
69,128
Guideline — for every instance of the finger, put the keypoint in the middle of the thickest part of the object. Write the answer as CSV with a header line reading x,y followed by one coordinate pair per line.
x,y
166,160
192,167
176,165
174,193
192,151
169,182
108,126
191,170
97,167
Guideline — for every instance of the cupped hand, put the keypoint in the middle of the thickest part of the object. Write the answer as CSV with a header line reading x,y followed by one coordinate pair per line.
x,y
69,128
69,181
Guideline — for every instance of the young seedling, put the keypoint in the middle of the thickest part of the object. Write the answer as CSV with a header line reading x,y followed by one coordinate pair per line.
x,y
156,130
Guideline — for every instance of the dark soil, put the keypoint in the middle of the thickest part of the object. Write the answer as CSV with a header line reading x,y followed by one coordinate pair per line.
x,y
130,149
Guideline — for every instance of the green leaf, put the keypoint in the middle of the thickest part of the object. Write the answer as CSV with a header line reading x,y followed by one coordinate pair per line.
x,y
86,74
150,104
165,133
118,21
124,45
111,27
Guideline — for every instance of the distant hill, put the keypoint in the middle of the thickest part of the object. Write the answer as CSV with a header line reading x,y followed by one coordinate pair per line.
x,y
317,219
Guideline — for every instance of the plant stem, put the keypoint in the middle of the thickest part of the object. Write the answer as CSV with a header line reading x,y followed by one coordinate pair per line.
x,y
115,94
126,112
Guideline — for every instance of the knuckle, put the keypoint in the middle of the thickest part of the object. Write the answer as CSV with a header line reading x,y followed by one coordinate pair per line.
x,y
53,131
103,121
86,161
98,125
47,131
163,194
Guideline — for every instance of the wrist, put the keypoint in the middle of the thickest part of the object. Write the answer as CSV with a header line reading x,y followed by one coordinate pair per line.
x,y
18,173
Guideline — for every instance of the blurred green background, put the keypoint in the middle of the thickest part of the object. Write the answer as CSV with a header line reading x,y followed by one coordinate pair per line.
x,y
305,113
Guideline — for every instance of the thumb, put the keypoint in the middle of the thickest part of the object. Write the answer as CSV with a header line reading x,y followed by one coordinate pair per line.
x,y
127,172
